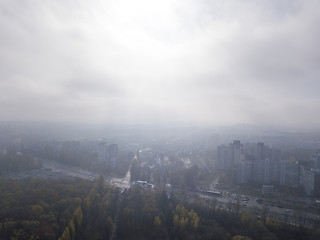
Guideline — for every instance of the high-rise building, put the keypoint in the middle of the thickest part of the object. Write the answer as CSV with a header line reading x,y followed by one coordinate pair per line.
x,y
260,151
113,154
248,162
266,177
316,160
108,154
274,172
102,152
289,173
283,172
258,163
244,173
224,157
310,180
236,151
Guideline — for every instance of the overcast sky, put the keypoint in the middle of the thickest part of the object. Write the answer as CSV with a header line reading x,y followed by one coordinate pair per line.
x,y
215,62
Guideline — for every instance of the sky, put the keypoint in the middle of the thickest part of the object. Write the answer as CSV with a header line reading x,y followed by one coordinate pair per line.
x,y
216,62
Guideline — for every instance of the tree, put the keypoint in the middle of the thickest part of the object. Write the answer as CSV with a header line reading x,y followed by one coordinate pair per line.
x,y
36,211
72,229
238,237
157,221
65,235
190,175
157,224
264,213
229,205
237,206
77,218
194,219
214,204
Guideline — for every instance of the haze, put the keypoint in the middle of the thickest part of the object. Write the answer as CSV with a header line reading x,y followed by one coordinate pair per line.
x,y
182,62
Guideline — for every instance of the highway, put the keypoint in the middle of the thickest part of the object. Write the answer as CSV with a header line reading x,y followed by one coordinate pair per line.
x,y
249,203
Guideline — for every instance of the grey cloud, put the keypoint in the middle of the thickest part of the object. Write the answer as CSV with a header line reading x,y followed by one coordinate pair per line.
x,y
185,61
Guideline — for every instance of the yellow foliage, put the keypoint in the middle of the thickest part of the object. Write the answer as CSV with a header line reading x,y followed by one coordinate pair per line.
x,y
195,221
72,229
238,237
77,217
36,211
66,235
157,221
184,217
176,220
182,222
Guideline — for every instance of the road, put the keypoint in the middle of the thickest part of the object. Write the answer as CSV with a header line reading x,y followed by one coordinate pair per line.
x,y
289,216
54,170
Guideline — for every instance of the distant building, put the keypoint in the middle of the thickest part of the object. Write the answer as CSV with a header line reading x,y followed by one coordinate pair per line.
x,y
108,154
289,173
229,155
260,151
315,159
244,171
102,152
274,171
259,163
267,189
283,172
310,180
236,151
249,162
266,175
224,157
113,154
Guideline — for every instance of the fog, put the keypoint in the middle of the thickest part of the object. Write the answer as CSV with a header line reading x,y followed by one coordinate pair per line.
x,y
169,62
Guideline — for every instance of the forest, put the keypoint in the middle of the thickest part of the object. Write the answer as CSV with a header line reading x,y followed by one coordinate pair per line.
x,y
80,209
